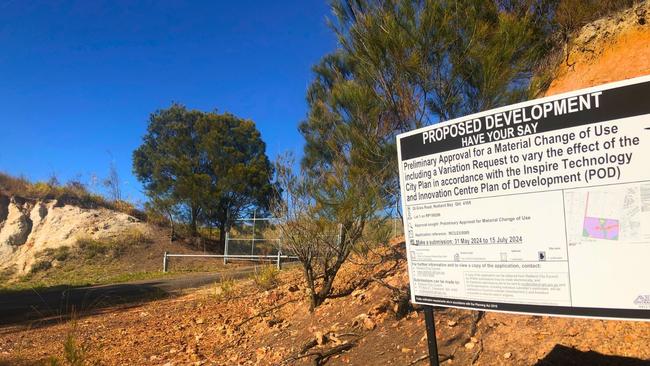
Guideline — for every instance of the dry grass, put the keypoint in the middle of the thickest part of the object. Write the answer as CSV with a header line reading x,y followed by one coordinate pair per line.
x,y
73,192
267,277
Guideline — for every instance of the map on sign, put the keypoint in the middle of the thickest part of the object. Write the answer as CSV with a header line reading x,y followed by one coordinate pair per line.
x,y
540,207
609,214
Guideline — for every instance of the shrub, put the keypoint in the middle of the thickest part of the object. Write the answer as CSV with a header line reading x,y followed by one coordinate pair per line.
x,y
134,237
129,209
267,277
573,14
92,248
224,289
60,254
12,185
73,353
41,265
41,190
113,247
7,273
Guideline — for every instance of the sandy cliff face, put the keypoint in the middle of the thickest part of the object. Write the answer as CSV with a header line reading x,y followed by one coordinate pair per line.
x,y
28,227
613,48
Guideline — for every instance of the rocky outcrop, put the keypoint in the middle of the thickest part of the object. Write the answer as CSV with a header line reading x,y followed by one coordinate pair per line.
x,y
28,227
616,47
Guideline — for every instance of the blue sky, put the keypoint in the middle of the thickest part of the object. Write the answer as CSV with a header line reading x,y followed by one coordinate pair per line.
x,y
78,79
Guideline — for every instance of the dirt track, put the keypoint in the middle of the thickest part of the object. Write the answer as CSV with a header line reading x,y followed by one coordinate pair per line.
x,y
58,302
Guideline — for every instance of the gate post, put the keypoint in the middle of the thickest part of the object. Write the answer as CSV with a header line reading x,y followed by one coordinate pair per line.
x,y
225,250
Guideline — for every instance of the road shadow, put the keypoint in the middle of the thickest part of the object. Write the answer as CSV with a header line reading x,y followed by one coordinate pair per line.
x,y
567,356
52,305
40,307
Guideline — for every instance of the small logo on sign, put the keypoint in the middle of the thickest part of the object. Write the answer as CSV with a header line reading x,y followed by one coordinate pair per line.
x,y
542,256
642,300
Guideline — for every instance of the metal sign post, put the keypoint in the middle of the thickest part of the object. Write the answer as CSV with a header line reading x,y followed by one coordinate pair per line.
x,y
431,336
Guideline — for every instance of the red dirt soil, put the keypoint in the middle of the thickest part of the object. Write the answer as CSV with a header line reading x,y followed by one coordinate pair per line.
x,y
252,326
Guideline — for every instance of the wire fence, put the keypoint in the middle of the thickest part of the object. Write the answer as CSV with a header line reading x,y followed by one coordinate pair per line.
x,y
259,239
254,236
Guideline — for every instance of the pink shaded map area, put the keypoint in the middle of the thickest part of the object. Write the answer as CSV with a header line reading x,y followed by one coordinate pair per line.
x,y
597,228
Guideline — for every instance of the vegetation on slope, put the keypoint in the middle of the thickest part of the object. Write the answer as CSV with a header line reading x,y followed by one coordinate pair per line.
x,y
72,193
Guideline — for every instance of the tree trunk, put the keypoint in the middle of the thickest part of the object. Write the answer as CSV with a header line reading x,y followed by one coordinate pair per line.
x,y
172,237
309,277
194,232
194,218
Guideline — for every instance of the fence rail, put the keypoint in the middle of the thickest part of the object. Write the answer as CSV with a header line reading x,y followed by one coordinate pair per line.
x,y
258,258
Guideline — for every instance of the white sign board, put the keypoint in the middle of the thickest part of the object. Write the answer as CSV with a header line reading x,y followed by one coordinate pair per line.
x,y
540,207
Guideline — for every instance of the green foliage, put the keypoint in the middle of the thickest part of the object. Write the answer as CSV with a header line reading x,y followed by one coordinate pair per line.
x,y
90,248
73,353
41,265
53,361
435,60
59,254
204,167
267,277
7,274
401,65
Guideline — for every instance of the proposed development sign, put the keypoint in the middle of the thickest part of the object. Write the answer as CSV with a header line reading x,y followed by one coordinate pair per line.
x,y
540,207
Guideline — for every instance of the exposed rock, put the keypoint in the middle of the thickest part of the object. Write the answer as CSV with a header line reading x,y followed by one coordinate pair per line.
x,y
320,338
609,49
369,324
28,227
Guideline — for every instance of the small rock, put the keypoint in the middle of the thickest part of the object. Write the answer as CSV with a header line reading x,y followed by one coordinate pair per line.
x,y
378,309
359,293
273,322
406,350
260,353
369,324
199,321
320,338
451,323
334,339
469,345
507,355
474,340
293,288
